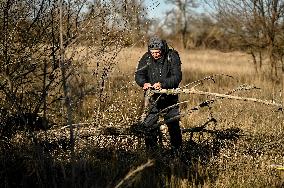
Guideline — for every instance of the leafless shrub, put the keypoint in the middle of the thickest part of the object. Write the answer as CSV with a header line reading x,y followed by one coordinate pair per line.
x,y
254,26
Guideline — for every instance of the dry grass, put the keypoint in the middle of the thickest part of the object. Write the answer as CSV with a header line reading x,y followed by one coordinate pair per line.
x,y
244,162
247,137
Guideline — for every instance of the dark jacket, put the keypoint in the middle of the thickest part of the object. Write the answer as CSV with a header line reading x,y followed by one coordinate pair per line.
x,y
166,70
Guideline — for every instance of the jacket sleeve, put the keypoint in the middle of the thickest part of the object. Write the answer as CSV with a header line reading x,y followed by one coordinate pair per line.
x,y
175,73
141,73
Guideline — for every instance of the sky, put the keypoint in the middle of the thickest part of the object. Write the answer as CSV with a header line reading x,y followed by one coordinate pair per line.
x,y
157,9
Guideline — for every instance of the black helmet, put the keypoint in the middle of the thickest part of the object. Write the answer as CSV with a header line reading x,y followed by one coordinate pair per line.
x,y
155,43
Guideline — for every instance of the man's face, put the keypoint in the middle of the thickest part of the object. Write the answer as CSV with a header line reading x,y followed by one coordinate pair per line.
x,y
157,54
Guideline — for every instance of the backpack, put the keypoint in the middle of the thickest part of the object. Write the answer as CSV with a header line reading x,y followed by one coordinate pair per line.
x,y
169,51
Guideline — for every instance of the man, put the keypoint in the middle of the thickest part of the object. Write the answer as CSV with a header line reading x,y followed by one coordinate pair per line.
x,y
160,68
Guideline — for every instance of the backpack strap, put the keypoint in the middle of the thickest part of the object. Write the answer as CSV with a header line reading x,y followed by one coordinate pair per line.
x,y
170,53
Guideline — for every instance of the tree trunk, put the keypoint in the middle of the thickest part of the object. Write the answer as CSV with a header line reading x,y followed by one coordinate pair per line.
x,y
254,61
67,101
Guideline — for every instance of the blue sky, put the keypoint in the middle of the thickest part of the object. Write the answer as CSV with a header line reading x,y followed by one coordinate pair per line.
x,y
156,9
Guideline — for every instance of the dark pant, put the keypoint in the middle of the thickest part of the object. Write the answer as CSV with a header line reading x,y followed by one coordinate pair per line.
x,y
151,138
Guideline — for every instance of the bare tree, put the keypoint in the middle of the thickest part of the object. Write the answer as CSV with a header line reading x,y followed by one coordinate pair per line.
x,y
134,16
205,33
36,51
24,67
182,11
254,25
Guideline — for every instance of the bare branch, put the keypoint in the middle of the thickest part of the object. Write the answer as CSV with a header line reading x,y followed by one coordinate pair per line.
x,y
133,173
218,95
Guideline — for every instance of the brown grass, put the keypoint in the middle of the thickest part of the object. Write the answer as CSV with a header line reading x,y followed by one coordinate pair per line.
x,y
244,162
246,140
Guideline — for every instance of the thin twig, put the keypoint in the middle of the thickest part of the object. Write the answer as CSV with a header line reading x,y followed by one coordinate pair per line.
x,y
135,172
197,82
